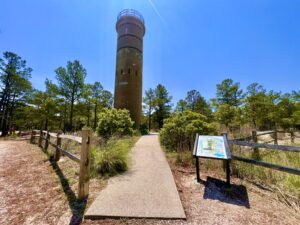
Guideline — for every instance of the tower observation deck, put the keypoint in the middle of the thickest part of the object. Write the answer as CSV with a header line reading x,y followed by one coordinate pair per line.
x,y
130,27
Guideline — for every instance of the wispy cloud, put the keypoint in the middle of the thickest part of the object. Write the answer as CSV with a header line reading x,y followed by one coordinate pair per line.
x,y
157,12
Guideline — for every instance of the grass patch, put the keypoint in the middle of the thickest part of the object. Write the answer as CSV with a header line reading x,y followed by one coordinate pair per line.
x,y
276,180
287,182
184,159
111,158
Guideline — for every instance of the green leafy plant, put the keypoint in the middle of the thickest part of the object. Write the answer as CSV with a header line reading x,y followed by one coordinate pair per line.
x,y
144,129
112,158
178,132
114,122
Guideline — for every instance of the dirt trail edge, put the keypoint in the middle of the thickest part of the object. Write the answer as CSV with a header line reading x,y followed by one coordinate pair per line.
x,y
29,187
147,190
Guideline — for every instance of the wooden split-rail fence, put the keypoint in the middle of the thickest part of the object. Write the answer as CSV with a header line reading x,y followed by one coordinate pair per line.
x,y
252,141
84,160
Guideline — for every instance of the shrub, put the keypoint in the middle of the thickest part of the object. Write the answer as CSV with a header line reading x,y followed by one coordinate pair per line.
x,y
144,129
114,122
112,158
178,132
184,159
111,162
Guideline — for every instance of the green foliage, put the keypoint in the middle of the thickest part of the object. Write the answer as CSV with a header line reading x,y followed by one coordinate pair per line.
x,y
181,106
288,111
94,98
100,98
271,110
114,122
149,104
228,115
178,132
229,97
55,108
282,180
46,106
196,103
255,108
144,129
71,84
192,98
157,106
112,158
184,159
111,162
162,105
229,93
15,86
204,108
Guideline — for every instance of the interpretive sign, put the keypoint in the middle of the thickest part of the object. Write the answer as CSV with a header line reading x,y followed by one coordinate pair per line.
x,y
212,147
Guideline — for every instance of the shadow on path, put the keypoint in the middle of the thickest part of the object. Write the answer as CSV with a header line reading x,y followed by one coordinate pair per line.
x,y
219,190
77,206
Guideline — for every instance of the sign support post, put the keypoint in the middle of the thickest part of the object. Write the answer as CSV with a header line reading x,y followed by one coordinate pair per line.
x,y
198,169
228,171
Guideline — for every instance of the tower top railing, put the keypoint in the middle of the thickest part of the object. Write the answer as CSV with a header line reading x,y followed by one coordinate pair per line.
x,y
131,12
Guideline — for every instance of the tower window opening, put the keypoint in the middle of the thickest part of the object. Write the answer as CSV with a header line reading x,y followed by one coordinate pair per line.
x,y
121,72
136,72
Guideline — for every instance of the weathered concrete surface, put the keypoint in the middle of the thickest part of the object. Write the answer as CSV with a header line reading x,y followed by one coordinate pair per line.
x,y
147,190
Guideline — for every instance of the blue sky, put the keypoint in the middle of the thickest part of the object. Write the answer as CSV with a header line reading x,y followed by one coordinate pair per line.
x,y
189,44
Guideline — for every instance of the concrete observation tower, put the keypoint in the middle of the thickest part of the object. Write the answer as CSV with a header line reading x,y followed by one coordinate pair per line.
x,y
129,67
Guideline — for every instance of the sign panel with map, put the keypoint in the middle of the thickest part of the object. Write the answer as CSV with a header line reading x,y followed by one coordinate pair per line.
x,y
212,147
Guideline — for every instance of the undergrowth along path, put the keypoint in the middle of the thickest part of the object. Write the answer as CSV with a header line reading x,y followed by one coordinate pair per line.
x,y
147,190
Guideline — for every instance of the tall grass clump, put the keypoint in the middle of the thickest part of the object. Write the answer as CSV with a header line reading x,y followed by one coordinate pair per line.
x,y
284,181
112,157
115,131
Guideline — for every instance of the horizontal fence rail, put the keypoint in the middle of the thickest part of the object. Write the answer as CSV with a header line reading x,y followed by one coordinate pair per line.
x,y
70,155
268,146
266,132
72,138
268,165
83,161
243,139
246,141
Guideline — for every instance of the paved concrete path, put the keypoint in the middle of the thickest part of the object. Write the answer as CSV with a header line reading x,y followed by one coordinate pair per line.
x,y
147,190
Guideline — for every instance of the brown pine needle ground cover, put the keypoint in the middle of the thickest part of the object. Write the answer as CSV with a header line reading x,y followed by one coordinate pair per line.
x,y
35,190
31,192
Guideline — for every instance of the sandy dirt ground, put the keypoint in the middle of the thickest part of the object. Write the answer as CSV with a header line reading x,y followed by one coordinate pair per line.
x,y
31,190
31,193
211,202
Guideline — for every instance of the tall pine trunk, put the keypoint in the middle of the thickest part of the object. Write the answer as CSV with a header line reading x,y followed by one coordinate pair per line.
x,y
88,114
4,127
10,117
95,116
149,122
71,115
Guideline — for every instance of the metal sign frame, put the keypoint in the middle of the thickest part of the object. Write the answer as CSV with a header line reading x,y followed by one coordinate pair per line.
x,y
227,160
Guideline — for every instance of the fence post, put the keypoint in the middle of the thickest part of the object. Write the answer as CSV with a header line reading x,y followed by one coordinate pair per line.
x,y
47,141
41,138
255,140
32,137
58,145
275,137
292,136
84,174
